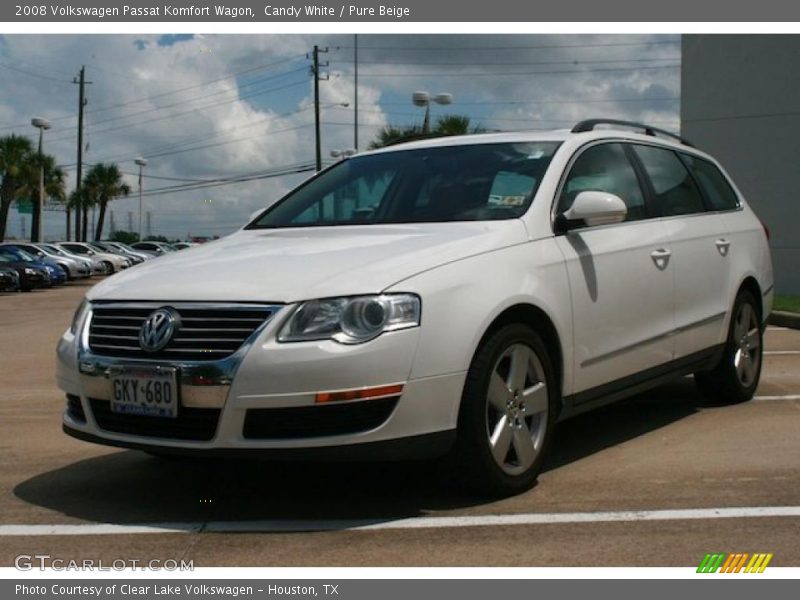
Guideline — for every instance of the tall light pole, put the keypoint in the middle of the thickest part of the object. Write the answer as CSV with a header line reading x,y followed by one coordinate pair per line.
x,y
425,99
355,92
142,162
36,226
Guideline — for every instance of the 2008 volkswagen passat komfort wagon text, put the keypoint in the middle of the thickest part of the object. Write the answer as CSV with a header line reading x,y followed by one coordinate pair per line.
x,y
457,295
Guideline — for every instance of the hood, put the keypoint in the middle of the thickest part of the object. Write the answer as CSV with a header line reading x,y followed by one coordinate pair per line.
x,y
287,265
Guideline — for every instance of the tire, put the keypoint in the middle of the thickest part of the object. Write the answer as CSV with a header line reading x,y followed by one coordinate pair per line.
x,y
108,268
503,438
736,377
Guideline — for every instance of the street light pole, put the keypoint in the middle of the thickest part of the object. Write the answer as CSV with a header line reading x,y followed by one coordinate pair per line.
x,y
424,99
142,164
36,226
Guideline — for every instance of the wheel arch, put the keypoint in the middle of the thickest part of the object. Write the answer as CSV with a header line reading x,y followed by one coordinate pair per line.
x,y
750,284
540,321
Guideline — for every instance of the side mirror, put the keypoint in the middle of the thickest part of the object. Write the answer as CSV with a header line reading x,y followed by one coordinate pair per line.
x,y
594,208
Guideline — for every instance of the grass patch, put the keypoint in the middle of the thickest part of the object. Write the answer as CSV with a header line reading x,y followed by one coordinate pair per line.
x,y
786,302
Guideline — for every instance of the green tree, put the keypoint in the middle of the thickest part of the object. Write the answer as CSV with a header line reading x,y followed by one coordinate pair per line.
x,y
445,125
16,153
125,237
54,183
102,184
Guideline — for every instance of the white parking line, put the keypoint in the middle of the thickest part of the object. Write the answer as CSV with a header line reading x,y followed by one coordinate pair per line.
x,y
781,352
784,397
283,526
777,328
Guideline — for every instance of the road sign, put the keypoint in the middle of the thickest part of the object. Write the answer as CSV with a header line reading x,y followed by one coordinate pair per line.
x,y
25,207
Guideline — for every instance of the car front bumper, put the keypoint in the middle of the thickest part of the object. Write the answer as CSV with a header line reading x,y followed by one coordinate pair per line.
x,y
263,400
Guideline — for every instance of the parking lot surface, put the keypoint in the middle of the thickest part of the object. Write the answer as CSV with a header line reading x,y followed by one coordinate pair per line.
x,y
658,480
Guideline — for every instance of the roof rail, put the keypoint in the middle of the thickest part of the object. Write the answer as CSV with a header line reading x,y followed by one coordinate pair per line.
x,y
590,124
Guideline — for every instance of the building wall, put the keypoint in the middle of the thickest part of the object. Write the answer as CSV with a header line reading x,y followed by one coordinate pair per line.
x,y
740,101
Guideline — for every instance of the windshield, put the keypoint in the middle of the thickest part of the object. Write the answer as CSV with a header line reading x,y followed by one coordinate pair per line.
x,y
455,183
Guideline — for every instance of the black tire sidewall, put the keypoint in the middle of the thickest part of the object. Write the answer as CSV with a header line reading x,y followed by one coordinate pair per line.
x,y
472,445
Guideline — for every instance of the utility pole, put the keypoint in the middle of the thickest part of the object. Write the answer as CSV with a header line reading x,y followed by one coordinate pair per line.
x,y
130,220
81,213
149,224
113,224
315,69
355,93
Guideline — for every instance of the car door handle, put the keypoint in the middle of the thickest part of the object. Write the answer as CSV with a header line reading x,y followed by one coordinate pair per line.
x,y
723,246
661,258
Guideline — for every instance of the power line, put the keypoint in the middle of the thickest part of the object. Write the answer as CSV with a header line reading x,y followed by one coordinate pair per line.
x,y
514,73
419,48
184,102
29,74
188,112
512,64
203,83
161,95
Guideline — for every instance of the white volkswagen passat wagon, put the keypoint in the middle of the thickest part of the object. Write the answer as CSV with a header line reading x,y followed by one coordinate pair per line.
x,y
458,295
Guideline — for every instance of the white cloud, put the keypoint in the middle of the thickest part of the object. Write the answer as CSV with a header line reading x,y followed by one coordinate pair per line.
x,y
237,126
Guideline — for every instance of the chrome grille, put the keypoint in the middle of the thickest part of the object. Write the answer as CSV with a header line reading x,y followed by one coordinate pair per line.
x,y
206,331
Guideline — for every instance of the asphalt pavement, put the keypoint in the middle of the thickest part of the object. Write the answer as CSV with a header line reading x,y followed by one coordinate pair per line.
x,y
658,480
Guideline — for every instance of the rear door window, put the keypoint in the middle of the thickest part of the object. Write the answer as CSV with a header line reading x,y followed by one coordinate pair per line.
x,y
674,188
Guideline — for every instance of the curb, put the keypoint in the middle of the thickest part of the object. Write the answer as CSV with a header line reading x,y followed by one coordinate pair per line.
x,y
784,319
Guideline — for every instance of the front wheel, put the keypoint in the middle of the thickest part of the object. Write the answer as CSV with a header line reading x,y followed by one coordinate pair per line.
x,y
508,412
736,376
108,268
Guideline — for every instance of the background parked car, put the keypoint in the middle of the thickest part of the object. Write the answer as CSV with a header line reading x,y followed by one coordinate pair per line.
x,y
9,279
132,251
56,274
106,247
112,262
158,248
73,268
183,245
94,265
30,276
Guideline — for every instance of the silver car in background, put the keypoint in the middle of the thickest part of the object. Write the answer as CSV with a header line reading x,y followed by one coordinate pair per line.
x,y
112,263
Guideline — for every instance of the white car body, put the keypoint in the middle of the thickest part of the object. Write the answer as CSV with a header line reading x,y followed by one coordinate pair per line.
x,y
617,320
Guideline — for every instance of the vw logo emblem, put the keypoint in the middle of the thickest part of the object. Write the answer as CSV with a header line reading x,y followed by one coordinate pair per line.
x,y
158,329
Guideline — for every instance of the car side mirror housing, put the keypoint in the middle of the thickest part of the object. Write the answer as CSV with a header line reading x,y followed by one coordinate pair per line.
x,y
592,208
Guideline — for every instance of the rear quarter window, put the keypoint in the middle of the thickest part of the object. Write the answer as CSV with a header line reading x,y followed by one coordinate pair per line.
x,y
715,186
675,190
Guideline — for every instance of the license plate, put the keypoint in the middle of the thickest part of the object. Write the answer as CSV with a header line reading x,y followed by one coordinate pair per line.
x,y
148,391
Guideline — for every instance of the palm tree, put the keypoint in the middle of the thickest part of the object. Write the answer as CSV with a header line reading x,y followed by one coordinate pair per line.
x,y
392,134
445,125
16,153
456,125
54,182
102,184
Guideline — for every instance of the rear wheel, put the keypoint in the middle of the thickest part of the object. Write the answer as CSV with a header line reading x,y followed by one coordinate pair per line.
x,y
508,412
736,376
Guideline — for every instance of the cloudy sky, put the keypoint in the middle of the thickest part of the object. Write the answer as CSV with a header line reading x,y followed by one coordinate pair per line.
x,y
208,110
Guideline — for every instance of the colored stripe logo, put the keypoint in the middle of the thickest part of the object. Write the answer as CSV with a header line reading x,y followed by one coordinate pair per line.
x,y
740,562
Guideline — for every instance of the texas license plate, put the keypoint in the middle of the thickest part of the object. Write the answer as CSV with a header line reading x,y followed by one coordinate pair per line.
x,y
148,391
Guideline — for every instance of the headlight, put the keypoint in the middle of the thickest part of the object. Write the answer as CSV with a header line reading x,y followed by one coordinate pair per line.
x,y
351,320
80,312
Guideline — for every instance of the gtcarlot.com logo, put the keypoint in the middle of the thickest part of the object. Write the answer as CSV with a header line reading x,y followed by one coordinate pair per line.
x,y
29,562
742,562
